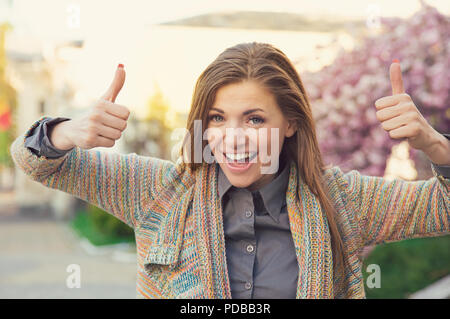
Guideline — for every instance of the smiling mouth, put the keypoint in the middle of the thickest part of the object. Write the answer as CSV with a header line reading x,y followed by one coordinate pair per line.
x,y
240,159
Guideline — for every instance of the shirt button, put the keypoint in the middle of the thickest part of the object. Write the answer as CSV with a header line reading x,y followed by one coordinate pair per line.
x,y
248,285
248,214
250,248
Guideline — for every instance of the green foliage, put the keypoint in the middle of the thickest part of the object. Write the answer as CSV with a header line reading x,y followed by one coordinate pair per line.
x,y
408,266
107,224
158,107
8,104
101,228
5,143
151,135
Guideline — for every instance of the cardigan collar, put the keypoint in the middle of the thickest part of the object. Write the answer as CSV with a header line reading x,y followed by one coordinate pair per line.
x,y
308,225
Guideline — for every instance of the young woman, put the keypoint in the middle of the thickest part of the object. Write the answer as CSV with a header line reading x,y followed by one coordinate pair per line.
x,y
258,218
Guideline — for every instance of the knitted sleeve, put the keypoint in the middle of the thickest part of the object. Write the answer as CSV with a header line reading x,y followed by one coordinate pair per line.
x,y
117,183
392,210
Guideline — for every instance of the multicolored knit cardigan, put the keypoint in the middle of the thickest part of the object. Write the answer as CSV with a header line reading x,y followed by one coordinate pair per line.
x,y
177,218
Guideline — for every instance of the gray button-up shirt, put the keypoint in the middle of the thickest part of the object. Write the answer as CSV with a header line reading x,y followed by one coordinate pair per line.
x,y
260,251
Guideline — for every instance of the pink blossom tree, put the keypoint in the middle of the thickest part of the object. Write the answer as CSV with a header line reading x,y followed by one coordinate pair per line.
x,y
343,94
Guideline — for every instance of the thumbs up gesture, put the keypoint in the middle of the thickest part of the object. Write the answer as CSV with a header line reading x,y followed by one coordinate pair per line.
x,y
100,126
400,117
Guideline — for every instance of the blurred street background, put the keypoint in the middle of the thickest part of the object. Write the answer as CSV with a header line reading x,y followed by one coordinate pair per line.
x,y
58,56
36,251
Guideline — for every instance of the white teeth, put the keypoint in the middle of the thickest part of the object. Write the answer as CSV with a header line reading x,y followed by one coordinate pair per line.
x,y
237,157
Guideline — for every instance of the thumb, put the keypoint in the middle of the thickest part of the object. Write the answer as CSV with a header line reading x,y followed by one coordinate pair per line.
x,y
395,73
116,84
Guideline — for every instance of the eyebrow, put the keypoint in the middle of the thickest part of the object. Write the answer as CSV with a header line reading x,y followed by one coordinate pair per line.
x,y
244,113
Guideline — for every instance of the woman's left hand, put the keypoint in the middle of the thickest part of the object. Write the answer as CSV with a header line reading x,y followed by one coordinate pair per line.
x,y
400,117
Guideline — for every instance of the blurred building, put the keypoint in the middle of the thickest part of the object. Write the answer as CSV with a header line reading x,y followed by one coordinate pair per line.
x,y
36,71
41,90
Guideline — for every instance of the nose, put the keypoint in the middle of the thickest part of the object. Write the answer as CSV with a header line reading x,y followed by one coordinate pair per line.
x,y
235,139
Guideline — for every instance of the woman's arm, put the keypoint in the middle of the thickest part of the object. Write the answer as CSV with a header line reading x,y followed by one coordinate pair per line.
x,y
114,182
392,210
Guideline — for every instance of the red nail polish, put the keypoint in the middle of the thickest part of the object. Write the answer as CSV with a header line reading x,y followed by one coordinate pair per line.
x,y
395,61
120,65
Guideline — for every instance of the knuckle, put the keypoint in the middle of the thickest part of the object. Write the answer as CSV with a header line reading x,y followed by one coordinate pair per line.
x,y
378,115
90,139
392,134
412,107
405,96
126,111
94,117
413,116
404,107
378,102
91,128
100,105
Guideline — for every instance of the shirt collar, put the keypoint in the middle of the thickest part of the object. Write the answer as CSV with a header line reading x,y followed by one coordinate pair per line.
x,y
223,183
273,193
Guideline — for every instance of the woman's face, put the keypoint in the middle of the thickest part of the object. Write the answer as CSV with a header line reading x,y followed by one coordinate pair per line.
x,y
245,119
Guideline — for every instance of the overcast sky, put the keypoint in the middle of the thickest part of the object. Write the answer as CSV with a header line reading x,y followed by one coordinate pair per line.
x,y
55,18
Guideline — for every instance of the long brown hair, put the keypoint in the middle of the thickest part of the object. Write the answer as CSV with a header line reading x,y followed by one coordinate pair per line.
x,y
271,68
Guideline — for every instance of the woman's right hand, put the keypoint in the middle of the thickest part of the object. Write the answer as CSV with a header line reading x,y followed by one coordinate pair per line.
x,y
100,126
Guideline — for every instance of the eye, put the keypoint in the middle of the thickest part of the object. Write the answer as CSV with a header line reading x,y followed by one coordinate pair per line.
x,y
257,119
211,117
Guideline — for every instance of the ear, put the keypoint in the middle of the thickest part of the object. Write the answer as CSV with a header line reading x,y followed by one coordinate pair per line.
x,y
291,129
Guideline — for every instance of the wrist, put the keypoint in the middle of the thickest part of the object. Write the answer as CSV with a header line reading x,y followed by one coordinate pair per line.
x,y
58,136
439,150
